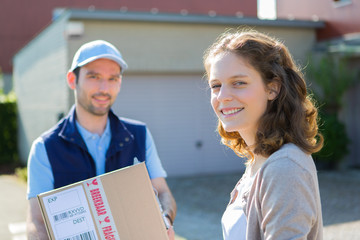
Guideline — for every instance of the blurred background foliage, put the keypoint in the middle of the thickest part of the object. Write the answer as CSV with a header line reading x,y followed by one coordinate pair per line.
x,y
332,77
9,158
8,128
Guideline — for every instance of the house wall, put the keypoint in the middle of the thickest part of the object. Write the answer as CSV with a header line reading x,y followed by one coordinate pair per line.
x,y
39,75
177,47
164,85
20,21
341,17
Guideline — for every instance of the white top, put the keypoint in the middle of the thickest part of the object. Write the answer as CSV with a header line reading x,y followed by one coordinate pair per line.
x,y
234,220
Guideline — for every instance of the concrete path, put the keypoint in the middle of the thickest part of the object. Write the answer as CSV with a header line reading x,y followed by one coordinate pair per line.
x,y
340,198
201,202
13,205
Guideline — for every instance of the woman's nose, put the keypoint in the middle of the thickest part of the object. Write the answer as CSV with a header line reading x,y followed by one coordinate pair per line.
x,y
224,94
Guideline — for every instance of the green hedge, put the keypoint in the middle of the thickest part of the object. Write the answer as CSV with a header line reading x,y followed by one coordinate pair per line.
x,y
8,129
335,142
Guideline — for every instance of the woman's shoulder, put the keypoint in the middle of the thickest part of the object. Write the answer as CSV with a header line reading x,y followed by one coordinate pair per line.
x,y
290,158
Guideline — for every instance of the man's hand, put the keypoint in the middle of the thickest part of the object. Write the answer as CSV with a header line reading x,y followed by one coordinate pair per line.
x,y
167,202
171,233
35,224
169,226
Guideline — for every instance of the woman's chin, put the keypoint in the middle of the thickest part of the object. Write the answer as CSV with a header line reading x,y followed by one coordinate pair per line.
x,y
228,128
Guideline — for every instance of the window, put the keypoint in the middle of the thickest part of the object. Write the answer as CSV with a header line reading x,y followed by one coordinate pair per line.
x,y
341,3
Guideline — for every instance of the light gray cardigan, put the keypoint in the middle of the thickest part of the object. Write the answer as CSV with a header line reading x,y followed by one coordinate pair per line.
x,y
284,200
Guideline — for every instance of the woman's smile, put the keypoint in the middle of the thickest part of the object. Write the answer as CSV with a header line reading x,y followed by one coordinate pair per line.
x,y
228,112
238,94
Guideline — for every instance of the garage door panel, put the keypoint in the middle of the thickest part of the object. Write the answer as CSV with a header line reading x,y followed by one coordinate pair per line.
x,y
179,116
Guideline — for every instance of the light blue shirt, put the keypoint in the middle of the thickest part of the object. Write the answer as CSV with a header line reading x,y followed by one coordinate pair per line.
x,y
40,176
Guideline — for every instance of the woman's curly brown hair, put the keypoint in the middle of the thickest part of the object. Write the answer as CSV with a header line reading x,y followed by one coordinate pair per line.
x,y
292,116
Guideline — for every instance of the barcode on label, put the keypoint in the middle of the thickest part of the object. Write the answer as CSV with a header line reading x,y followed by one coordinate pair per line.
x,y
83,236
61,216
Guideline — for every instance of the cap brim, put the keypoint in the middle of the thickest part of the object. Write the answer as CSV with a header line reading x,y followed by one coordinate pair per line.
x,y
121,62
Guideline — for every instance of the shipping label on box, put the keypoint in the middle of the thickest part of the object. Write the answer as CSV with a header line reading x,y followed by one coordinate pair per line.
x,y
116,205
69,214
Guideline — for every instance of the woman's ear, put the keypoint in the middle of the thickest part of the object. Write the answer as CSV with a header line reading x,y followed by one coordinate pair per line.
x,y
273,90
71,80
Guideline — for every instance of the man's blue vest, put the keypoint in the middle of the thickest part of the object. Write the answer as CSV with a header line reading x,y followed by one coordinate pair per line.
x,y
70,159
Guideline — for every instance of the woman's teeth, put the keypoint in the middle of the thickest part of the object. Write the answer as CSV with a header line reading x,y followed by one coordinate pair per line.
x,y
228,112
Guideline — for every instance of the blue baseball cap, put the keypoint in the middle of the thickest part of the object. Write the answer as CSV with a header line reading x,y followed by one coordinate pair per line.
x,y
94,50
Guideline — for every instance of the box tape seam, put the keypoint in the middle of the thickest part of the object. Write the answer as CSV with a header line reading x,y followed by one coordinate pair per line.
x,y
101,209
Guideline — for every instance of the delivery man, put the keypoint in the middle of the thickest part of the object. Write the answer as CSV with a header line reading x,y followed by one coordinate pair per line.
x,y
91,139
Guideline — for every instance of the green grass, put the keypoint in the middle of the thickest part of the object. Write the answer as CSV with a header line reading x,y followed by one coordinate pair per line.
x,y
21,173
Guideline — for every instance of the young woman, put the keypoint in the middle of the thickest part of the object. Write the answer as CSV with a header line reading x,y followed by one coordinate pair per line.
x,y
265,115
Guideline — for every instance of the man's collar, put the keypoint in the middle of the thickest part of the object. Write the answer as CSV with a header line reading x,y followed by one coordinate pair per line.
x,y
87,134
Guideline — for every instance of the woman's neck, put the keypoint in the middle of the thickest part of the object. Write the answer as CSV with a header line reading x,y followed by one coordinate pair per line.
x,y
256,164
249,137
258,161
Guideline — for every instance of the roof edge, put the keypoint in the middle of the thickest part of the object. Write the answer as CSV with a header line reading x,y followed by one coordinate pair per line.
x,y
196,19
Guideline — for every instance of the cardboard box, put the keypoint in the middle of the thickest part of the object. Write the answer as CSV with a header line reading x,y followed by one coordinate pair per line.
x,y
117,205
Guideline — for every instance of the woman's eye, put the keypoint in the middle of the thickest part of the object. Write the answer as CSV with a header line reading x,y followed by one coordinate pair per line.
x,y
215,86
239,83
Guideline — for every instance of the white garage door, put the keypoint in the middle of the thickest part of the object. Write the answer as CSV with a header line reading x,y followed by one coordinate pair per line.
x,y
178,113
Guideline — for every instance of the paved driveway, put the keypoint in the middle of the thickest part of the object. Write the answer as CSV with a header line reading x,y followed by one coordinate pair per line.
x,y
12,208
201,202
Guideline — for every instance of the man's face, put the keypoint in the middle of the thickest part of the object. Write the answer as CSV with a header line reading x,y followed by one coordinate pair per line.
x,y
98,86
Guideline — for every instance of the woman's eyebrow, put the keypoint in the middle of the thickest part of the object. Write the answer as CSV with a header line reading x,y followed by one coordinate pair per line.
x,y
232,77
239,76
